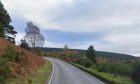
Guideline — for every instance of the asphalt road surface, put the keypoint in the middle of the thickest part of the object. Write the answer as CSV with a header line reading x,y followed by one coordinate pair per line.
x,y
65,73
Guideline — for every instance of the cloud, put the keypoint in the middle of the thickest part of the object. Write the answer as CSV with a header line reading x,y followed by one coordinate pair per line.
x,y
96,16
39,12
19,36
109,25
124,42
76,16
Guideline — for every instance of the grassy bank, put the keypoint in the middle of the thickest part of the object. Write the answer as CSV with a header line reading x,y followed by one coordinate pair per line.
x,y
38,76
106,77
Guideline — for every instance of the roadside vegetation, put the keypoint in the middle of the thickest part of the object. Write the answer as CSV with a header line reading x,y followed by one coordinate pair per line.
x,y
106,77
16,62
112,72
19,64
37,76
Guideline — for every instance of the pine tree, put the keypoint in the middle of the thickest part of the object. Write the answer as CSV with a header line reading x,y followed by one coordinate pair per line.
x,y
91,54
24,44
66,50
6,30
66,46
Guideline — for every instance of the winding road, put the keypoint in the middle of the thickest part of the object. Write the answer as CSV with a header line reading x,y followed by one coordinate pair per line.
x,y
64,73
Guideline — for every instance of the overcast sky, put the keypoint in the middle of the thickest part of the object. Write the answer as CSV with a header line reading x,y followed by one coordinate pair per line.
x,y
108,25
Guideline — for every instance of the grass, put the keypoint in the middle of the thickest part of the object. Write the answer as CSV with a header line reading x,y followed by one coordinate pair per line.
x,y
106,77
38,76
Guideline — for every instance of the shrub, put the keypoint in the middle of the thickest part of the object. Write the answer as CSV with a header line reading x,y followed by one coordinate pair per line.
x,y
44,53
10,53
85,62
103,68
136,74
120,69
4,70
24,44
88,63
37,51
80,61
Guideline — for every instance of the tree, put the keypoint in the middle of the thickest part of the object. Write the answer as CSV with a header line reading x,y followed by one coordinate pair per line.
x,y
33,36
24,44
66,50
91,54
66,46
6,30
136,74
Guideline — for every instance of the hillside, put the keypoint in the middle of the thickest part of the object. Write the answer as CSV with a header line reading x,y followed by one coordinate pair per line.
x,y
16,62
109,55
32,57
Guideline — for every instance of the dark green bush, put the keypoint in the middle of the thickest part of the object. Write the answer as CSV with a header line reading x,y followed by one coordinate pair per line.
x,y
88,63
24,44
10,53
84,61
102,68
120,69
136,74
4,70
80,61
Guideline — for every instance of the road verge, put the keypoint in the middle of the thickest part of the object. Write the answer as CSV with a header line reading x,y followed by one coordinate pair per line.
x,y
50,75
106,78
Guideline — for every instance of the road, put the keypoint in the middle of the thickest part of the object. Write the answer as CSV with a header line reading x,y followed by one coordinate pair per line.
x,y
65,73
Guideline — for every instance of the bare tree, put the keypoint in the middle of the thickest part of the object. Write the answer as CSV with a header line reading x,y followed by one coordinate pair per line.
x,y
33,36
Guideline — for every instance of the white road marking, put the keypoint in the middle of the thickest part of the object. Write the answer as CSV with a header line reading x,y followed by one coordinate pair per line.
x,y
51,74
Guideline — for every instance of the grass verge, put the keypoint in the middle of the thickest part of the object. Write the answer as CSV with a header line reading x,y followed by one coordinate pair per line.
x,y
106,77
38,76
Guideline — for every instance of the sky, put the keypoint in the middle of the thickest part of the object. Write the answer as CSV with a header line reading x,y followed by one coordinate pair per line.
x,y
108,25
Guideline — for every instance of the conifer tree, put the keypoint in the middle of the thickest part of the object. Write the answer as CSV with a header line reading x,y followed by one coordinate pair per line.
x,y
6,30
91,54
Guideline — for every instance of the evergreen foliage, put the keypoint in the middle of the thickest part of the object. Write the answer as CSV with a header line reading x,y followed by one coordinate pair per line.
x,y
6,30
136,74
24,44
91,54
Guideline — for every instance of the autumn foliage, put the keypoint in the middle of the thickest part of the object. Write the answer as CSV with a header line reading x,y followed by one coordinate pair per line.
x,y
17,61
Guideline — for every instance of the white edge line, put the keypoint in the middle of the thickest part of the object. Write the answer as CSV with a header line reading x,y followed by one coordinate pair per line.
x,y
51,74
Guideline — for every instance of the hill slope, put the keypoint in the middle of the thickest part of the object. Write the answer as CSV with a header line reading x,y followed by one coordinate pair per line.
x,y
109,55
16,62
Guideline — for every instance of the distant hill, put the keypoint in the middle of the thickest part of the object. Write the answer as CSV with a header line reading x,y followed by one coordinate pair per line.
x,y
109,55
